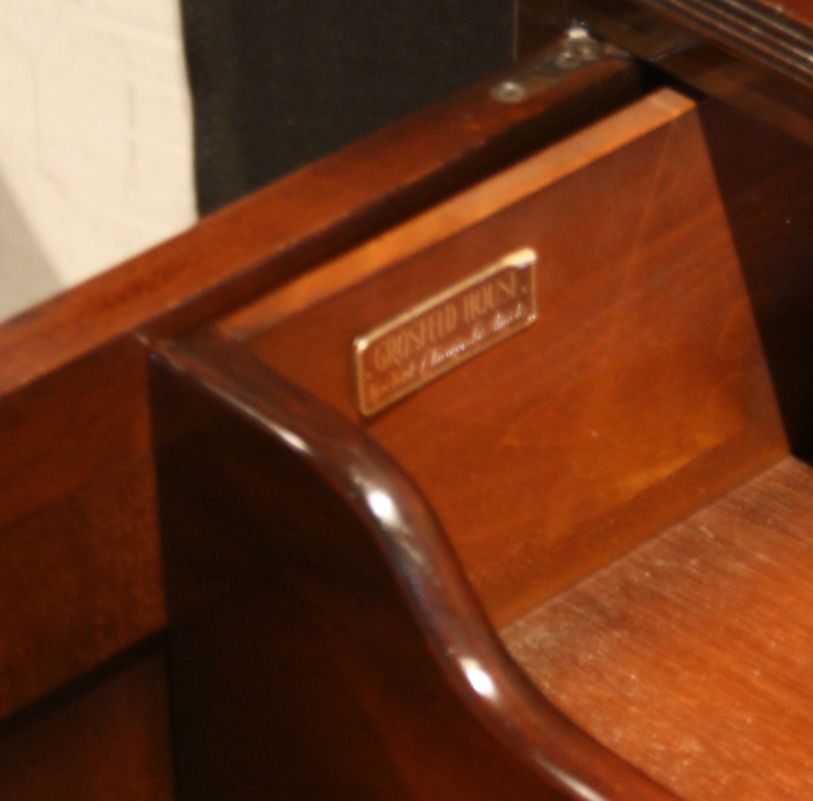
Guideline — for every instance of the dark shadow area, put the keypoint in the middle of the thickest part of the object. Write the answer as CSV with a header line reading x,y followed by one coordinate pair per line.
x,y
43,709
276,85
26,275
766,183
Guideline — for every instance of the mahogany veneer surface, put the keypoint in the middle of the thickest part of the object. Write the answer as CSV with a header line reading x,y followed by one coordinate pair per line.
x,y
79,539
797,10
104,742
640,393
78,530
693,656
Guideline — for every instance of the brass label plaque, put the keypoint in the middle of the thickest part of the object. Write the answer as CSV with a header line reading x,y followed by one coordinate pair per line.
x,y
426,341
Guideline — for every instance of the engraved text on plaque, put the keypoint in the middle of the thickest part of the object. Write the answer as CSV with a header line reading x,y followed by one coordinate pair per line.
x,y
422,343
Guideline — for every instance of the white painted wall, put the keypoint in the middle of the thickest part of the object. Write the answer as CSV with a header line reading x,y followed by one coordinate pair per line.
x,y
95,139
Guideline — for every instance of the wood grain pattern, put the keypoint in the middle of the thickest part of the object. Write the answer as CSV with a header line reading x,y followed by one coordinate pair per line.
x,y
329,206
77,497
109,740
510,186
78,520
691,656
327,644
649,392
640,393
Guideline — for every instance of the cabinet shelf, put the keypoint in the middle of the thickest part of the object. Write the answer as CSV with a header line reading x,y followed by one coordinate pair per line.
x,y
690,655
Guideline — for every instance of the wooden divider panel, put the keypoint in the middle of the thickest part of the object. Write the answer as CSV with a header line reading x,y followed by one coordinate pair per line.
x,y
641,391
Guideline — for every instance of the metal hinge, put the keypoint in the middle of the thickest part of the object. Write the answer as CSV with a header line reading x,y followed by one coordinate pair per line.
x,y
577,48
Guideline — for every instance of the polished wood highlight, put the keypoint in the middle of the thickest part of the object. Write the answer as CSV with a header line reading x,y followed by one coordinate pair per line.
x,y
326,642
647,389
691,656
329,206
752,54
77,488
333,583
642,390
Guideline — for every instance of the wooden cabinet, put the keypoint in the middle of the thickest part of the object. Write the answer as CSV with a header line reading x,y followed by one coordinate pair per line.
x,y
466,463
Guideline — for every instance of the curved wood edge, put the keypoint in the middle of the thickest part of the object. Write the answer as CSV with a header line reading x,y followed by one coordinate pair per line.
x,y
305,218
409,538
77,489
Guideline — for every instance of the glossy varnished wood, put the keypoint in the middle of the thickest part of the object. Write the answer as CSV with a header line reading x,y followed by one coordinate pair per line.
x,y
77,503
326,642
750,53
443,221
360,614
692,655
779,35
643,389
642,393
82,578
309,216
